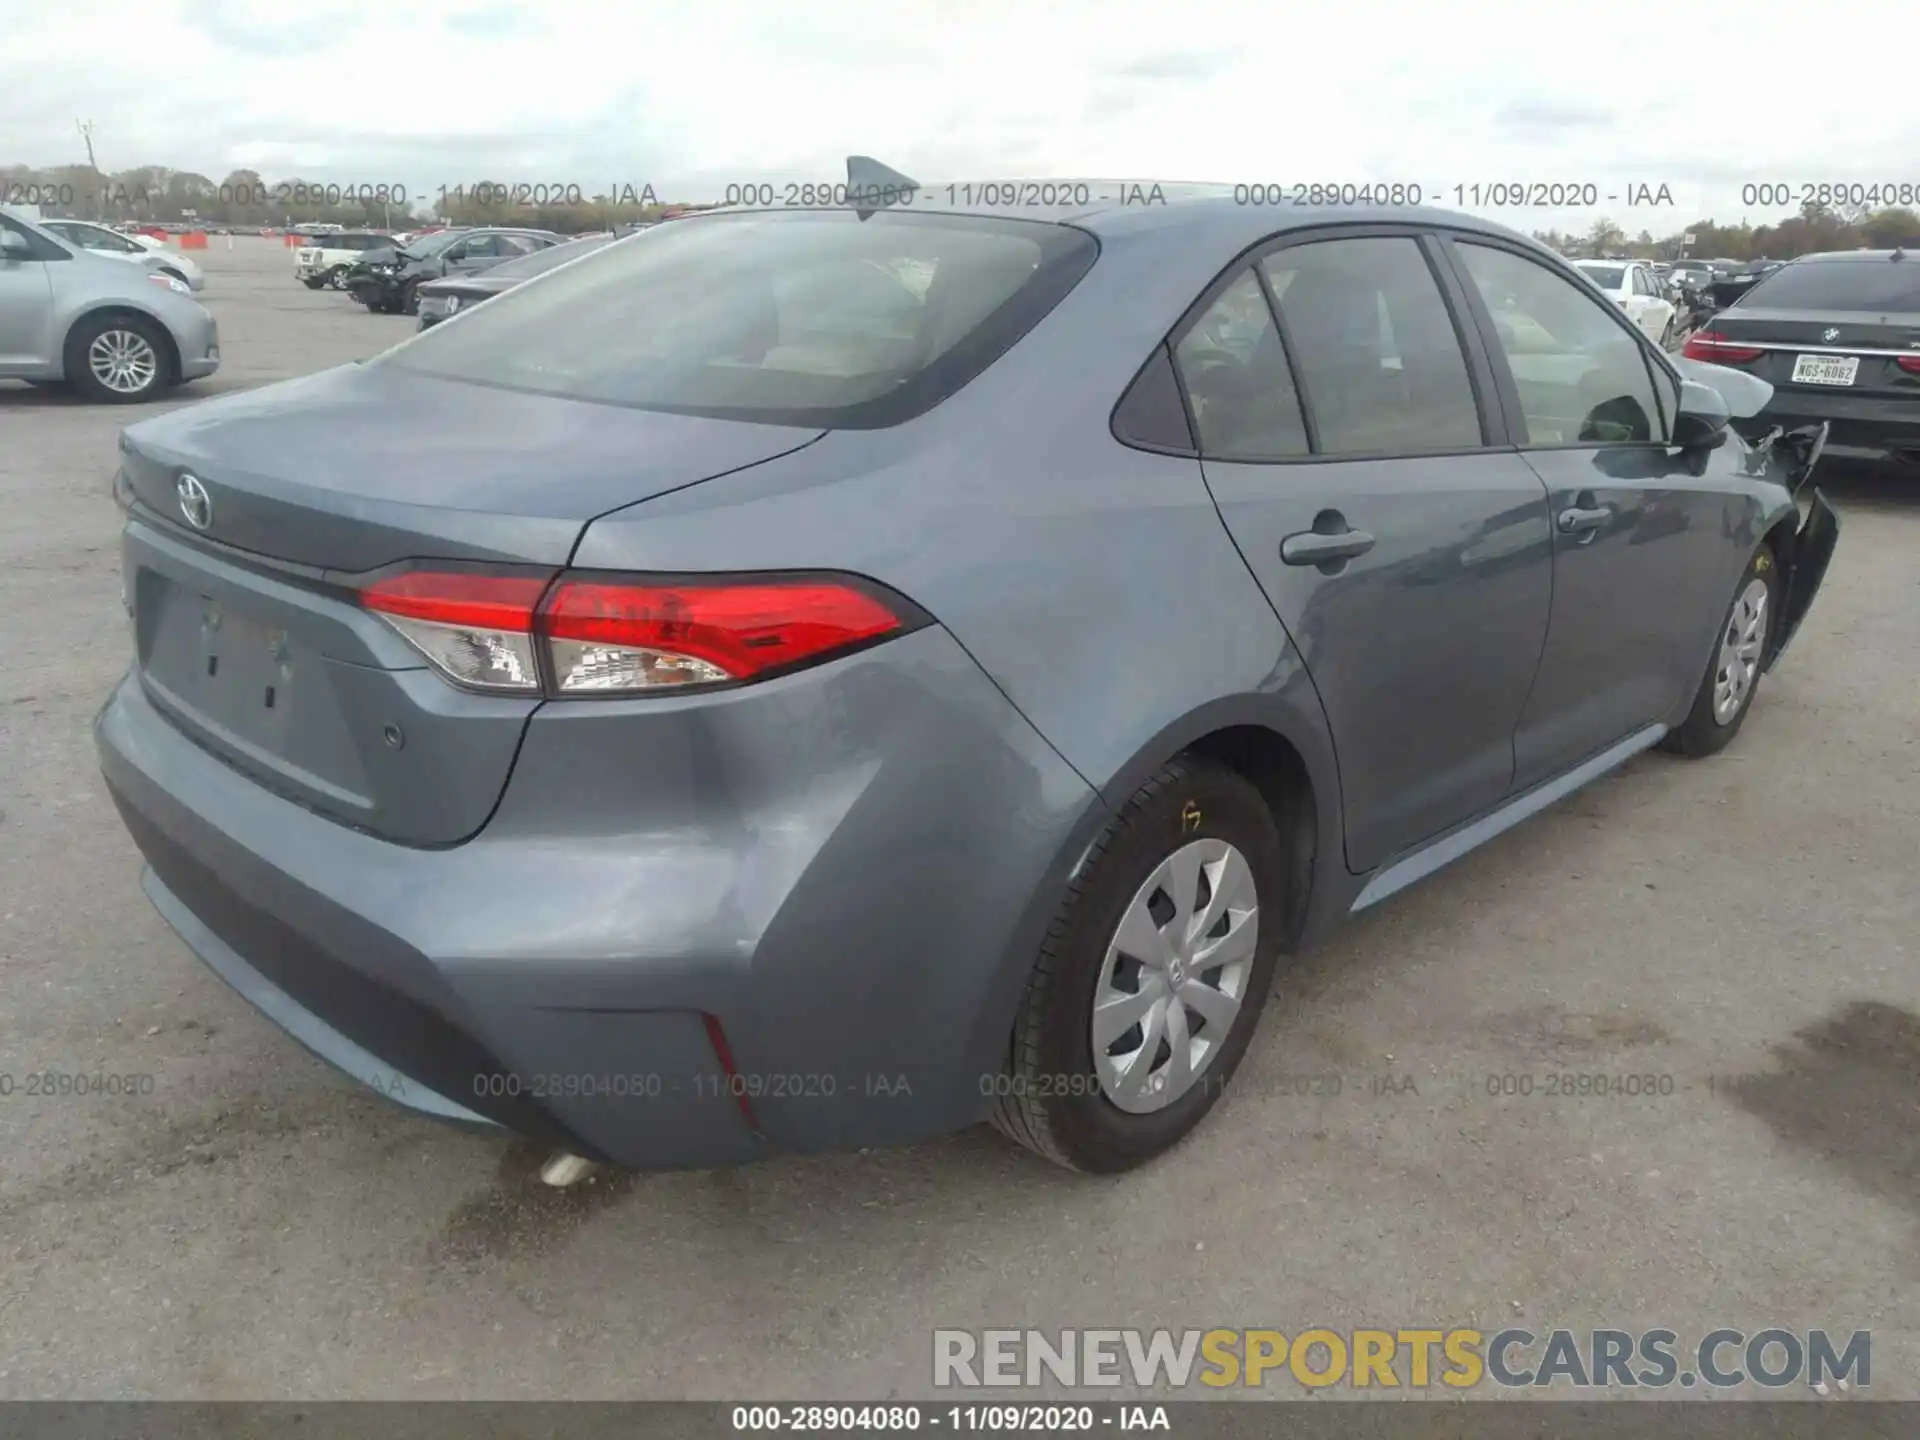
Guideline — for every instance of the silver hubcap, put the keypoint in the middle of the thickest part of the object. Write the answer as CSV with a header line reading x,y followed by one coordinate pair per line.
x,y
1740,648
123,361
1175,975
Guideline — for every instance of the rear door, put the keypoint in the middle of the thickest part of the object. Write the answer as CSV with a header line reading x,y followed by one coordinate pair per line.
x,y
1640,539
1407,552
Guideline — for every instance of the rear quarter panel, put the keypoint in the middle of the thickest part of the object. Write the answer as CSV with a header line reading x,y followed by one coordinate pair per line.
x,y
1093,582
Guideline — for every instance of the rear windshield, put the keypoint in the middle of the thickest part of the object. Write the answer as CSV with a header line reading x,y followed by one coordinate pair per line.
x,y
796,318
1881,285
1607,277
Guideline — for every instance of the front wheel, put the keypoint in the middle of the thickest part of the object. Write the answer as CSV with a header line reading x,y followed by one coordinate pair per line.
x,y
1733,675
1152,977
121,359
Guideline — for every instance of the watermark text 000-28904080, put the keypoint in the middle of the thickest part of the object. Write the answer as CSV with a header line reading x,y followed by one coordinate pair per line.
x,y
1435,1359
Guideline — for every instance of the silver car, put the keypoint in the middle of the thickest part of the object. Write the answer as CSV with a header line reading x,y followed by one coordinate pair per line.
x,y
110,330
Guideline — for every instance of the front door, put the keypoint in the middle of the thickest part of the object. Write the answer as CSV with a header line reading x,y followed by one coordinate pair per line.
x,y
1409,561
26,304
1639,538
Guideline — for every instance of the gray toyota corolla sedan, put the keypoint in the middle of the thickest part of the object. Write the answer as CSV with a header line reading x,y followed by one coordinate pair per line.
x,y
817,678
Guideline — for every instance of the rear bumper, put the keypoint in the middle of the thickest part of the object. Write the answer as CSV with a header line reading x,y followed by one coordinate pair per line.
x,y
848,870
1859,422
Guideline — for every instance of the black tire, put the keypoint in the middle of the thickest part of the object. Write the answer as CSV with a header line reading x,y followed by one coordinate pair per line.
x,y
314,282
1049,1095
1702,732
80,373
409,299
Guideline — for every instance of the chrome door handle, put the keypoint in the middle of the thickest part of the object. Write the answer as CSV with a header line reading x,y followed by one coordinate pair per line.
x,y
1312,547
1575,518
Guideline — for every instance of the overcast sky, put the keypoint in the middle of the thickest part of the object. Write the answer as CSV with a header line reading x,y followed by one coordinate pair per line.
x,y
691,96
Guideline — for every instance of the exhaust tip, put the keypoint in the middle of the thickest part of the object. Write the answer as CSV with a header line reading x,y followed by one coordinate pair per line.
x,y
565,1168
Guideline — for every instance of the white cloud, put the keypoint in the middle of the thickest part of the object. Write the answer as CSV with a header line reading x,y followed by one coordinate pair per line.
x,y
689,96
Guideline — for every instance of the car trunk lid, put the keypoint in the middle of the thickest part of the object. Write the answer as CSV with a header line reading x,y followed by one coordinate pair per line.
x,y
247,631
1873,341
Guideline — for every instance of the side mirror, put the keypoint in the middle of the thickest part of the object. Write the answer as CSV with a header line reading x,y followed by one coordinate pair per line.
x,y
1702,421
14,246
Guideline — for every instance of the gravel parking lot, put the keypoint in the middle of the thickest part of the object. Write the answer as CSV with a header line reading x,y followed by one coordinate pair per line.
x,y
255,1226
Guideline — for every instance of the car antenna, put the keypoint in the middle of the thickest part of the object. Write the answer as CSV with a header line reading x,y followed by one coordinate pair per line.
x,y
877,185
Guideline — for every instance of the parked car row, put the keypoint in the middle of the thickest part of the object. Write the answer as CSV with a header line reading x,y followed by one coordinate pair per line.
x,y
386,273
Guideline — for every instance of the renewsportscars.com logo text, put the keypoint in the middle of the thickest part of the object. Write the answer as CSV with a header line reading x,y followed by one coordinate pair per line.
x,y
1394,1359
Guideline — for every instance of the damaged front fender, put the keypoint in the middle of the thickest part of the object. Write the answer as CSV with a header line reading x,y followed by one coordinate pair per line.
x,y
1803,567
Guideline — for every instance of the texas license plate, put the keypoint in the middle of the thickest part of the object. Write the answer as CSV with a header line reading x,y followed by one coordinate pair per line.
x,y
1825,369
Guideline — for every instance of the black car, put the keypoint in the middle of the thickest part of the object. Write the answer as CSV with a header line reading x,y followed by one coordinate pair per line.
x,y
1838,337
439,299
387,281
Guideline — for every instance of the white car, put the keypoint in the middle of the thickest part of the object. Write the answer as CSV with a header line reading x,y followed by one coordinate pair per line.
x,y
324,257
156,255
1632,285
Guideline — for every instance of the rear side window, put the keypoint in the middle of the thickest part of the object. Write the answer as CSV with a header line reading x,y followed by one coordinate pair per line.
x,y
1234,370
1880,285
806,318
1375,350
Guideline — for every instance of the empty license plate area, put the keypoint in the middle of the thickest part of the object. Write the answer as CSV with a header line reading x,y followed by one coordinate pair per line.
x,y
1825,369
229,668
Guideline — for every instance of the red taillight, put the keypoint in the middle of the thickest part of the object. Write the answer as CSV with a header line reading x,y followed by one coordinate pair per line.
x,y
613,635
486,602
1908,363
1711,345
606,635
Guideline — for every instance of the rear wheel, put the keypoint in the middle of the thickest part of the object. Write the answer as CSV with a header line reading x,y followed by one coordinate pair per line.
x,y
1152,976
1726,691
118,358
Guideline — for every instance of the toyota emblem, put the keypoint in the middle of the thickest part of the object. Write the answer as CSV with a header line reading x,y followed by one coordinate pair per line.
x,y
1830,334
195,503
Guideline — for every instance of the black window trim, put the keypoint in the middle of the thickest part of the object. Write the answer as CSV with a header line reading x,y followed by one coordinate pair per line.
x,y
1657,362
1481,376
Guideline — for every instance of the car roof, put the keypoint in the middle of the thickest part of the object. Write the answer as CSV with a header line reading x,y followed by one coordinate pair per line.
x,y
1857,257
1115,208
